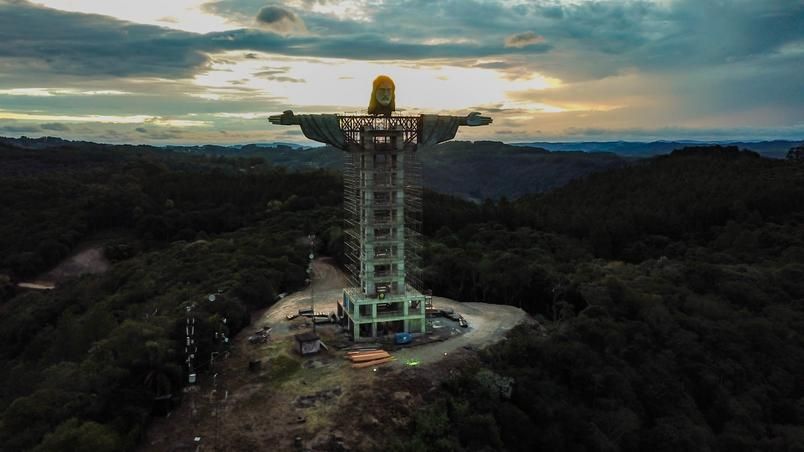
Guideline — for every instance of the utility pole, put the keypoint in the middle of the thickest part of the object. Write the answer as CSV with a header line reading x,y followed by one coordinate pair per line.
x,y
311,273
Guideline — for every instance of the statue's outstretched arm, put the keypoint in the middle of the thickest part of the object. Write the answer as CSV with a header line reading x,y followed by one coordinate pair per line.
x,y
322,128
285,119
474,119
438,128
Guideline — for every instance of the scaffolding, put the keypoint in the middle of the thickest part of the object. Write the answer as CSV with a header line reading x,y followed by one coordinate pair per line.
x,y
382,225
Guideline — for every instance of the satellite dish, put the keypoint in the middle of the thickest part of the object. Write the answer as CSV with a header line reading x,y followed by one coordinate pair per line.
x,y
211,297
311,255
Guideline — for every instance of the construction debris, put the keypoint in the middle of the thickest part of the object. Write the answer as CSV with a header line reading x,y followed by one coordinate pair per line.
x,y
368,358
261,336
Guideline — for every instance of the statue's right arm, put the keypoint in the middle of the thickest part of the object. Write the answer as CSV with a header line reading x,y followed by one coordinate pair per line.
x,y
285,119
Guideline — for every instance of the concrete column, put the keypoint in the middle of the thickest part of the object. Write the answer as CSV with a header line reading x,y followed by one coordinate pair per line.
x,y
423,312
405,310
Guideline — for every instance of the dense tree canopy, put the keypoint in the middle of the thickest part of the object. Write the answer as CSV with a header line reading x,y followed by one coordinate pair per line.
x,y
89,360
670,296
673,298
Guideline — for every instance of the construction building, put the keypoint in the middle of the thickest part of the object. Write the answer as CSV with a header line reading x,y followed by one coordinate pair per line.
x,y
383,207
382,231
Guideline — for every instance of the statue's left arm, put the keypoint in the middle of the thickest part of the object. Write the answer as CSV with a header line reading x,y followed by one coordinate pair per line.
x,y
438,128
474,119
321,128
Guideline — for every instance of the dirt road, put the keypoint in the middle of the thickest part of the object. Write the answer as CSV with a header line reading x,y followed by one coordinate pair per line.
x,y
327,287
87,261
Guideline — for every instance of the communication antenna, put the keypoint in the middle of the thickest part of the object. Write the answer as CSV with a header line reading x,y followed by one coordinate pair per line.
x,y
310,272
190,346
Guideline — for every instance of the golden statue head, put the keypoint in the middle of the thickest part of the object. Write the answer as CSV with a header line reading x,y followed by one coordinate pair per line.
x,y
383,99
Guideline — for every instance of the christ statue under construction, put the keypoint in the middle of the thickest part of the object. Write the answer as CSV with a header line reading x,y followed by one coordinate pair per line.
x,y
382,201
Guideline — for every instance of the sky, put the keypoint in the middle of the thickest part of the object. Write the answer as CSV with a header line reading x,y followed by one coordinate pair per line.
x,y
212,71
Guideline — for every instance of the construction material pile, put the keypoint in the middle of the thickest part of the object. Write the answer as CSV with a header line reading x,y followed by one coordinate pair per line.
x,y
368,358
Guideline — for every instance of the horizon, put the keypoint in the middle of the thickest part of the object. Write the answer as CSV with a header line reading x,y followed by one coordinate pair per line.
x,y
313,144
212,71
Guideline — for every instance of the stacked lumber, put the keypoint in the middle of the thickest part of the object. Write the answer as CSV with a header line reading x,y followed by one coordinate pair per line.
x,y
368,358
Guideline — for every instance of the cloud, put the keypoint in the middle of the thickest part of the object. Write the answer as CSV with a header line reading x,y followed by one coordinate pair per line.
x,y
494,65
680,62
34,39
270,75
56,126
279,19
273,14
159,134
25,128
523,39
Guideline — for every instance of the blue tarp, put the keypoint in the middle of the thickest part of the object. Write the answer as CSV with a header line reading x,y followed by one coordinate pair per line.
x,y
403,338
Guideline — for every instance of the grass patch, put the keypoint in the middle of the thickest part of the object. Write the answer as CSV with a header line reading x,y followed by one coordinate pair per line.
x,y
282,368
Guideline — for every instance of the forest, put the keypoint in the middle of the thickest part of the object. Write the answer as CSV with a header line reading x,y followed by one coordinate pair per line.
x,y
671,290
673,294
86,364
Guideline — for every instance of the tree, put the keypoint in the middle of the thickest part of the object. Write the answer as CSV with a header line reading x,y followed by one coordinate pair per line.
x,y
76,436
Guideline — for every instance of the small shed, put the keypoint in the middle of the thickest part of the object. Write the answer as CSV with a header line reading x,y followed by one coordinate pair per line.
x,y
307,343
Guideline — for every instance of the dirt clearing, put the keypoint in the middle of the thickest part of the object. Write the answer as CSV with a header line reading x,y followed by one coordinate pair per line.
x,y
267,397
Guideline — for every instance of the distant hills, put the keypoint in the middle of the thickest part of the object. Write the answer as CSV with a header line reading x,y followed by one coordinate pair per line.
x,y
472,170
772,149
489,169
479,170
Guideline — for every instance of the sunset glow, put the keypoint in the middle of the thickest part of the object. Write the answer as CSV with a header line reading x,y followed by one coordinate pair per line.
x,y
545,70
